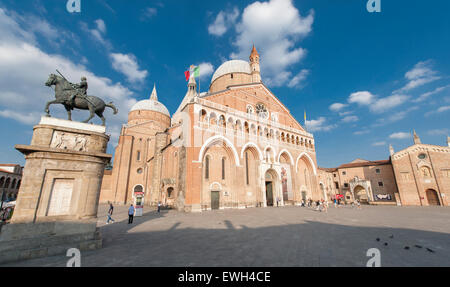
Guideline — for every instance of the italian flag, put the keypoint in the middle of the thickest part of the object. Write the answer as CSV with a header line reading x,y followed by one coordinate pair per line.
x,y
194,71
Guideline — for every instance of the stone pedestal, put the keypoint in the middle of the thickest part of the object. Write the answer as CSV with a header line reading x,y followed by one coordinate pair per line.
x,y
58,199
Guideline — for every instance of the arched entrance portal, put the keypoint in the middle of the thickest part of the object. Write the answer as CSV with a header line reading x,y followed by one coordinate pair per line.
x,y
270,184
361,194
432,197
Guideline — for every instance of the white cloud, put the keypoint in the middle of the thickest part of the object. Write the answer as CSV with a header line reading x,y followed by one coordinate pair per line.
x,y
443,109
438,132
24,68
127,65
426,95
274,27
346,113
361,98
439,110
382,143
337,107
362,132
383,104
223,21
421,74
98,32
101,26
350,119
206,69
319,125
400,135
298,80
377,105
148,13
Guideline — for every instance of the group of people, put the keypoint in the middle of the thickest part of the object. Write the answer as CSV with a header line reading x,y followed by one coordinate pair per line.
x,y
322,205
319,205
131,213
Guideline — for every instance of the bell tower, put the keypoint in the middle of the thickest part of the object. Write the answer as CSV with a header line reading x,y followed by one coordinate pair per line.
x,y
254,66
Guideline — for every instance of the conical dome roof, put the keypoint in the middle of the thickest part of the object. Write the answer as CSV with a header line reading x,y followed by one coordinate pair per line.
x,y
151,104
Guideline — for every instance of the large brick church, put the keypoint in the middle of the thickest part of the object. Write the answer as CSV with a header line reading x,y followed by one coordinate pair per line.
x,y
235,146
238,146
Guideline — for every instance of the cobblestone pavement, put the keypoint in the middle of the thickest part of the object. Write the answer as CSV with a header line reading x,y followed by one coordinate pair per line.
x,y
275,236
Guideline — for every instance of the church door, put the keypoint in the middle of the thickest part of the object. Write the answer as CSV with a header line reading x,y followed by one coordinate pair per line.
x,y
432,197
269,193
215,199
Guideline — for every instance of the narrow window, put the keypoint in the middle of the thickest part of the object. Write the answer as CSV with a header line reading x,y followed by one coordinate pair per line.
x,y
380,183
207,167
377,170
246,167
232,76
223,168
138,156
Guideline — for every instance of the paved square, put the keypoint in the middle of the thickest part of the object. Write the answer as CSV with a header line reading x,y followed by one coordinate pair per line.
x,y
283,236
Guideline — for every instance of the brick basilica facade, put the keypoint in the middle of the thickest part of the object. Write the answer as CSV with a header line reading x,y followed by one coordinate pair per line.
x,y
235,146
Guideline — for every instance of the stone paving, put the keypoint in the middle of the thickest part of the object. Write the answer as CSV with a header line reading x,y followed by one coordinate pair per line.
x,y
274,236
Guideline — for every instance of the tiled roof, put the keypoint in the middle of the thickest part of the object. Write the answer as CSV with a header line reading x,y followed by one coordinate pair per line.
x,y
367,163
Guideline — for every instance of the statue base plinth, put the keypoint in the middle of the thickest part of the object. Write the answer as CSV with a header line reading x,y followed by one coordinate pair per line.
x,y
58,199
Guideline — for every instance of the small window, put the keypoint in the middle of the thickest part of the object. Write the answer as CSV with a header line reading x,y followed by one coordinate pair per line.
x,y
337,184
377,170
138,156
345,184
232,76
344,173
380,183
207,167
223,168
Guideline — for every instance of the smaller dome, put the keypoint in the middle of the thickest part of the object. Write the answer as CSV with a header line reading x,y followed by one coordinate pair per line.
x,y
233,66
151,104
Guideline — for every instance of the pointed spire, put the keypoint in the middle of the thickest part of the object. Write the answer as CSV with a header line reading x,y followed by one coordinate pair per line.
x,y
416,137
254,52
154,96
448,141
391,150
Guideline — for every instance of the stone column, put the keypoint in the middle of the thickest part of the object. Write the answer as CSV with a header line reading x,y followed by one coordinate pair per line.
x,y
58,199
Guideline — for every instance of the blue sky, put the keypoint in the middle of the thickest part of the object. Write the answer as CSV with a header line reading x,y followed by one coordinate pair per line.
x,y
365,79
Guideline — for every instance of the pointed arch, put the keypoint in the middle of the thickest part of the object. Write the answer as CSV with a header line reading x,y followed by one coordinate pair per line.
x,y
309,159
253,145
212,140
288,153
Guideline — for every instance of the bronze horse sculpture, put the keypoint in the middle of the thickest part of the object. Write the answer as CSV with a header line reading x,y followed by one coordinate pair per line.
x,y
64,94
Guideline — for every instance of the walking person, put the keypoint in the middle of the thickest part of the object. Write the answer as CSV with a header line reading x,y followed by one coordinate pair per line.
x,y
130,214
335,203
110,212
159,206
358,204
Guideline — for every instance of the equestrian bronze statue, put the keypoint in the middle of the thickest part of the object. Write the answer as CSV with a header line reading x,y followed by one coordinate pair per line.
x,y
74,96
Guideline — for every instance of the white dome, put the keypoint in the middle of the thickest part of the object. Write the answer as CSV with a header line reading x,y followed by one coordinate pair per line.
x,y
150,105
233,66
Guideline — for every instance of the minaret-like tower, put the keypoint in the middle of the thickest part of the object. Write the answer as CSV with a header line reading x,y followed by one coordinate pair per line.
x,y
254,65
416,138
391,150
448,141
